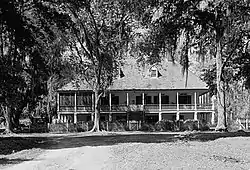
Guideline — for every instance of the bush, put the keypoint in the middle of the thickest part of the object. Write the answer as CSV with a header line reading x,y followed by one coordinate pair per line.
x,y
84,126
117,126
204,125
62,128
179,125
147,127
190,125
58,128
165,125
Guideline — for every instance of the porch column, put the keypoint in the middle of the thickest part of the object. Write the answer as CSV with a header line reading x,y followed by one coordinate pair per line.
x,y
246,123
58,106
195,106
178,109
127,99
160,113
110,106
143,98
213,112
75,114
93,107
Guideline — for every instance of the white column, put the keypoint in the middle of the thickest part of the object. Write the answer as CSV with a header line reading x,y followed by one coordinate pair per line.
x,y
178,109
58,102
213,112
246,123
58,106
160,113
75,114
160,116
93,106
75,102
75,117
195,106
110,106
159,101
143,98
110,101
127,99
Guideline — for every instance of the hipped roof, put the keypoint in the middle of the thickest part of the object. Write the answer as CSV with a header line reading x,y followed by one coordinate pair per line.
x,y
138,78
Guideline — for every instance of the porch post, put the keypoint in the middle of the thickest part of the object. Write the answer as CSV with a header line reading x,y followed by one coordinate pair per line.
x,y
178,109
58,106
93,107
127,99
75,114
213,112
160,113
246,123
110,106
195,106
143,98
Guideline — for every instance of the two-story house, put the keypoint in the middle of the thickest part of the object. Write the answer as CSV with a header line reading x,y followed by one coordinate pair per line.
x,y
150,93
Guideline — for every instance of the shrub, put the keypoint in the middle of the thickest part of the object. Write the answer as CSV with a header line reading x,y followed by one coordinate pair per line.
x,y
62,128
165,125
179,125
117,126
203,125
58,128
147,127
84,126
190,125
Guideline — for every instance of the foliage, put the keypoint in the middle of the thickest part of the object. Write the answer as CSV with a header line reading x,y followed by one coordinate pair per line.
x,y
165,125
147,127
84,126
213,28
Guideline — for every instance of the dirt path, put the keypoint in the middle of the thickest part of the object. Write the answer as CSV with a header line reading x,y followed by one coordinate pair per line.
x,y
140,152
70,158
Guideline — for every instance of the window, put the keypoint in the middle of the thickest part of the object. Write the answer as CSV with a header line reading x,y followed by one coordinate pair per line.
x,y
138,100
156,99
148,100
153,73
115,100
67,99
185,99
83,99
165,99
105,101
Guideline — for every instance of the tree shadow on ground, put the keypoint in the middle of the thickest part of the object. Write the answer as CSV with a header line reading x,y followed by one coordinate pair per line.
x,y
6,161
114,139
10,144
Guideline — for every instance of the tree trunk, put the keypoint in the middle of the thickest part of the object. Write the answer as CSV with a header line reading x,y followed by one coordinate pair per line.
x,y
7,116
96,126
221,123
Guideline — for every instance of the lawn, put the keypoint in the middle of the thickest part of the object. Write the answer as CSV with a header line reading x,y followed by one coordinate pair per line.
x,y
128,150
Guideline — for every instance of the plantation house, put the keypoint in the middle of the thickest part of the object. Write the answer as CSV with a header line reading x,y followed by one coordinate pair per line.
x,y
149,93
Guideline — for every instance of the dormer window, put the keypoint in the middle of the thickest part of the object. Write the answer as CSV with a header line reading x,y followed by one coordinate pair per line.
x,y
153,72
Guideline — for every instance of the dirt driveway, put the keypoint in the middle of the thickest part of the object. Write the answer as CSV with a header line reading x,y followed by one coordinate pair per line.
x,y
138,151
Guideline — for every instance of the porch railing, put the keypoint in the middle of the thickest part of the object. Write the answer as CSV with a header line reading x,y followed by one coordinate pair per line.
x,y
84,108
168,107
151,107
186,106
66,108
147,108
204,107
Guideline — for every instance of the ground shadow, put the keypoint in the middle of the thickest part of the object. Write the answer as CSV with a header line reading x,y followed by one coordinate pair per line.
x,y
10,144
98,140
6,161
